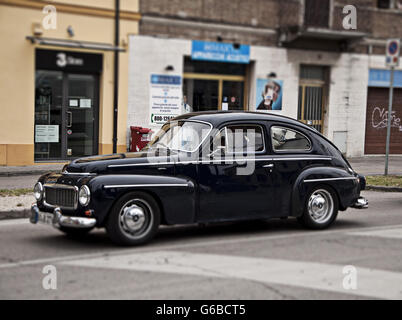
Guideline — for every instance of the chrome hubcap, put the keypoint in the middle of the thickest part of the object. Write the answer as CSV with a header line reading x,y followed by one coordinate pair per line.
x,y
135,218
320,206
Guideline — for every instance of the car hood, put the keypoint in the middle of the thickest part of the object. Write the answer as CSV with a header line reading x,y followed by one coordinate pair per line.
x,y
102,163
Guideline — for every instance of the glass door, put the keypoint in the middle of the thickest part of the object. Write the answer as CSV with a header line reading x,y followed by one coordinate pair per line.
x,y
66,115
81,106
48,115
200,95
208,92
232,95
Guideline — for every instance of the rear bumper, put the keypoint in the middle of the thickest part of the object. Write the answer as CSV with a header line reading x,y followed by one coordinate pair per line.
x,y
58,220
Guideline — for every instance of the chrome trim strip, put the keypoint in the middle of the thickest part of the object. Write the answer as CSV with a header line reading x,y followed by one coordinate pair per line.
x,y
79,173
234,159
302,158
147,185
330,179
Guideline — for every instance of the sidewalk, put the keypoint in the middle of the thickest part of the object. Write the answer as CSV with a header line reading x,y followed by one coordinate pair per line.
x,y
38,169
374,165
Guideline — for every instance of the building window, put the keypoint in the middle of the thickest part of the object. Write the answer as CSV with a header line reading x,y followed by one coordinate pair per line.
x,y
389,4
313,88
316,13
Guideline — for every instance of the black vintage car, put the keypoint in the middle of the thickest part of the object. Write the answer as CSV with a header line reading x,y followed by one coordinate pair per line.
x,y
203,167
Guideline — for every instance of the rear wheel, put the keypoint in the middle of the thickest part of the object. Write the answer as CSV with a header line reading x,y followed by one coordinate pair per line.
x,y
134,219
320,209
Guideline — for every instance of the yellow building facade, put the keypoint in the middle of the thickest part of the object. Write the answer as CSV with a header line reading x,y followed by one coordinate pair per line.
x,y
57,78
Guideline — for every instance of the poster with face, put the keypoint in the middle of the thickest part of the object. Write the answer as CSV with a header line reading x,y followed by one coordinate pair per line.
x,y
269,94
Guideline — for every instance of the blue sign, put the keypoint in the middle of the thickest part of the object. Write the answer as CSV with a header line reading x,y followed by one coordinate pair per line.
x,y
165,79
393,48
382,78
218,51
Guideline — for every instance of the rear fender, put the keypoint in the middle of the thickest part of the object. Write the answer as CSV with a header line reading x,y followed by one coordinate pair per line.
x,y
344,183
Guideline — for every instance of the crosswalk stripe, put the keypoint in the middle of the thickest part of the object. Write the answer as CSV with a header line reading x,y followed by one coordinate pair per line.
x,y
373,283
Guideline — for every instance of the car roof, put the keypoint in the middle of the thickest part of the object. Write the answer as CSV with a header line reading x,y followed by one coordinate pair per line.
x,y
218,117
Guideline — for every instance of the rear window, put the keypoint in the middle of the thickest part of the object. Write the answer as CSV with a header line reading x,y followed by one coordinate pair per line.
x,y
285,139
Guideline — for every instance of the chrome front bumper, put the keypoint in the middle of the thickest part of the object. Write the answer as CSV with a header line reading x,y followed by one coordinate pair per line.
x,y
361,203
58,220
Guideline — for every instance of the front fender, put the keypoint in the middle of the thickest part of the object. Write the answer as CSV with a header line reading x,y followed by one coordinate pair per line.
x,y
344,183
175,196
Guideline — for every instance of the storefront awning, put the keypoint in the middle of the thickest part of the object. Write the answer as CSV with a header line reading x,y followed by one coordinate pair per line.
x,y
74,44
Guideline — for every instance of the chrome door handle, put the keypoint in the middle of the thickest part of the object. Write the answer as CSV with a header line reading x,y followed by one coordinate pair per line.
x,y
69,119
271,165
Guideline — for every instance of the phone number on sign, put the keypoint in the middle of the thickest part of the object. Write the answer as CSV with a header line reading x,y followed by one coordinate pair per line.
x,y
161,118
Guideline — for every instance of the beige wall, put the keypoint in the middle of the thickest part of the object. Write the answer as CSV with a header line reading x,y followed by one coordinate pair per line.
x,y
17,65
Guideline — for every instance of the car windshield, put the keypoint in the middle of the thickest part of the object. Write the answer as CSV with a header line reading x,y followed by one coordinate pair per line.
x,y
180,135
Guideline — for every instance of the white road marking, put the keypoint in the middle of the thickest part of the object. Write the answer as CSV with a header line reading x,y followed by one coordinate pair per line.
x,y
189,244
319,276
392,233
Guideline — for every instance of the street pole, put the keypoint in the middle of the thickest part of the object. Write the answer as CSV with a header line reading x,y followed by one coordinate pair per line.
x,y
391,91
116,73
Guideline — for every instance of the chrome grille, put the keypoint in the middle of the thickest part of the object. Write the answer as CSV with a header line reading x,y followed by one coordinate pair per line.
x,y
61,196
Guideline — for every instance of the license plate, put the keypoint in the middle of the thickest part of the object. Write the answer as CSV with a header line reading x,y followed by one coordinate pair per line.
x,y
45,218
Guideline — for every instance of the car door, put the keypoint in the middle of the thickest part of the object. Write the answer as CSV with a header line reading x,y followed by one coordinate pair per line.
x,y
235,182
292,151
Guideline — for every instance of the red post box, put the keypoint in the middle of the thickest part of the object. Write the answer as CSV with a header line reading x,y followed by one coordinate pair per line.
x,y
139,138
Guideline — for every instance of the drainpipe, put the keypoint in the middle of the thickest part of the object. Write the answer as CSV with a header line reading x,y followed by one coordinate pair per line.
x,y
116,73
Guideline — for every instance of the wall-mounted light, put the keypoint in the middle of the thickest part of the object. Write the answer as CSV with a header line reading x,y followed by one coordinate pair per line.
x,y
236,46
70,31
271,75
37,29
169,68
219,39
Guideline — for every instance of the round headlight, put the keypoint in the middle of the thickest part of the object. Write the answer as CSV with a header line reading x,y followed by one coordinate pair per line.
x,y
38,191
84,196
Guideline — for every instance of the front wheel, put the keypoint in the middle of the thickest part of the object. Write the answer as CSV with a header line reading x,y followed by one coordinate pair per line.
x,y
134,219
320,209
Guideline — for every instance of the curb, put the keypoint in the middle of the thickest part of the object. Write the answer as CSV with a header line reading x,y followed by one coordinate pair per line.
x,y
24,173
15,214
383,188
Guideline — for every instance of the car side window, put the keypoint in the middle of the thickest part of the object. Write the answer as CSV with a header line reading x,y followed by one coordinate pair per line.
x,y
285,139
242,139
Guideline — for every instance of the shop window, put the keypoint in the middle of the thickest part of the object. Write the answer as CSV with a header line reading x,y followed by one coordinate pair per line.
x,y
384,4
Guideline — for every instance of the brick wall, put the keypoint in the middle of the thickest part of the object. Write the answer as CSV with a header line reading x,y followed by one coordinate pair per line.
x,y
261,13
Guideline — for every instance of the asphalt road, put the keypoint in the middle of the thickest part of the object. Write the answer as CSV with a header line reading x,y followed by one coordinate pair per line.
x,y
274,259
